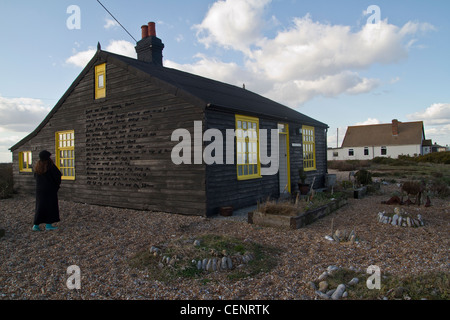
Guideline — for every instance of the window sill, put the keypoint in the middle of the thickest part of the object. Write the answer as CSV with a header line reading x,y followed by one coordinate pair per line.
x,y
249,178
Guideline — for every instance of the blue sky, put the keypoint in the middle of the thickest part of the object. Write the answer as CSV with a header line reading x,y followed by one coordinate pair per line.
x,y
318,57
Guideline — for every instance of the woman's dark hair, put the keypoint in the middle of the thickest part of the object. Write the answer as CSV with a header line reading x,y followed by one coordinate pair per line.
x,y
42,166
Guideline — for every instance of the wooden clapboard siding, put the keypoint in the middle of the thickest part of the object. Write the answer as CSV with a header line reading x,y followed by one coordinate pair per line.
x,y
123,146
296,157
222,186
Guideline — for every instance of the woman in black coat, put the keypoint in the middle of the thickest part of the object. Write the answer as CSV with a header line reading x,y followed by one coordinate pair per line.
x,y
48,181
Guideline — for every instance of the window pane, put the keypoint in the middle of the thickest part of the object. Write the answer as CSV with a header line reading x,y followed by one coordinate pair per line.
x,y
101,81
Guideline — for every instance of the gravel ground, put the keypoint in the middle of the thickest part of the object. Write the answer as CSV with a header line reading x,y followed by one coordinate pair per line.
x,y
33,265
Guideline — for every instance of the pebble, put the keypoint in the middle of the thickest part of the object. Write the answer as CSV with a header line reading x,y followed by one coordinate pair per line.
x,y
398,220
353,282
323,276
197,243
339,292
224,263
229,263
322,295
323,286
331,269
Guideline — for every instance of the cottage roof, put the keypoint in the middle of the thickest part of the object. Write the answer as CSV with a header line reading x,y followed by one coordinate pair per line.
x,y
206,93
382,135
216,94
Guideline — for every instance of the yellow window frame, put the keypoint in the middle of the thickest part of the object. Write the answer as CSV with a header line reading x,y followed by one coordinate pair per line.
x,y
309,148
25,161
248,164
100,81
65,153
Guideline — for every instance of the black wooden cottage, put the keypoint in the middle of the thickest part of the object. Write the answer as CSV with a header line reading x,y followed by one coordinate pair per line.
x,y
111,136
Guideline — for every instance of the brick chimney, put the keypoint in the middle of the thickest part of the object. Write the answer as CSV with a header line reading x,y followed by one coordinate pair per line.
x,y
150,47
395,127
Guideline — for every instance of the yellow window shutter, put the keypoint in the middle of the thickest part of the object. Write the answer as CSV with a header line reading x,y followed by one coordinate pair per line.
x,y
100,81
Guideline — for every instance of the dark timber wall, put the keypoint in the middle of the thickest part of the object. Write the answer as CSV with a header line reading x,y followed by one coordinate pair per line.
x,y
222,186
224,189
123,147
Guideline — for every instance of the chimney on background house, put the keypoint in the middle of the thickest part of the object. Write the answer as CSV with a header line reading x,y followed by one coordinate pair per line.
x,y
150,47
395,127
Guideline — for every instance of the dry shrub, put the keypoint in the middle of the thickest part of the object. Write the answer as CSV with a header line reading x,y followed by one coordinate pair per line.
x,y
284,208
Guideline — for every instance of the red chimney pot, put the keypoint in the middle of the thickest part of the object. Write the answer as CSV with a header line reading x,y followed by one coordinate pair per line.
x,y
151,29
144,30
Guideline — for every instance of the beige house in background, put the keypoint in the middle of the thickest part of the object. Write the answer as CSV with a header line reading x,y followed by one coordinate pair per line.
x,y
366,142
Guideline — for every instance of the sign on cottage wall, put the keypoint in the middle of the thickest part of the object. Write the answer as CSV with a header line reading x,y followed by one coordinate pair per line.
x,y
296,144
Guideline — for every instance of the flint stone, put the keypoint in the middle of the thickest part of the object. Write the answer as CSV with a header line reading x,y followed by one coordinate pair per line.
x,y
408,221
224,263
229,263
204,263
394,219
209,265
323,286
339,292
353,282
323,276
197,243
331,269
330,292
322,295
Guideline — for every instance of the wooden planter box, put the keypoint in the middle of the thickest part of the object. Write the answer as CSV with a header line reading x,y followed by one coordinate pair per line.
x,y
295,222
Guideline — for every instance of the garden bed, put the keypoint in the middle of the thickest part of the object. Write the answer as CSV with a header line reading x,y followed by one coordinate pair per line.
x,y
295,221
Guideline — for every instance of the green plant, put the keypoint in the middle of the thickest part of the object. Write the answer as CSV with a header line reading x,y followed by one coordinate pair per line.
x,y
363,177
211,245
302,175
6,180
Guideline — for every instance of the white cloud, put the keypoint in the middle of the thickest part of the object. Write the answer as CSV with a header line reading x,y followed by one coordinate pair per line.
x,y
21,114
212,68
394,80
436,120
179,38
436,114
305,60
81,59
368,121
122,47
109,23
234,24
18,116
